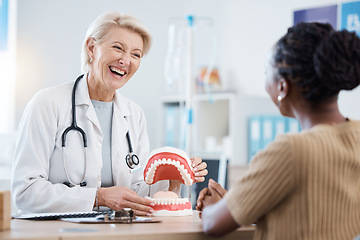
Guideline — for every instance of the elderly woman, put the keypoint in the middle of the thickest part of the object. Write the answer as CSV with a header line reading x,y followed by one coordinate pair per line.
x,y
58,168
304,185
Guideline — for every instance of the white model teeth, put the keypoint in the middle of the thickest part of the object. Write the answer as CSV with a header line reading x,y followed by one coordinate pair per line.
x,y
181,168
169,201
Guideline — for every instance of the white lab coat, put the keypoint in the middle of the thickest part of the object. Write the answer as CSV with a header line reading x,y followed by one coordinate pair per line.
x,y
38,171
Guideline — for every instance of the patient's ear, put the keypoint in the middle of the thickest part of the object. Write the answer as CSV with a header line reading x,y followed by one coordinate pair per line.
x,y
283,87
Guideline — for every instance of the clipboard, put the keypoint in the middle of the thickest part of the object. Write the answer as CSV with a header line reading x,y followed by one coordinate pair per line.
x,y
125,215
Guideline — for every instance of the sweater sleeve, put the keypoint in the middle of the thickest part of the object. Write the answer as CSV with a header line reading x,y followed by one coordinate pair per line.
x,y
266,184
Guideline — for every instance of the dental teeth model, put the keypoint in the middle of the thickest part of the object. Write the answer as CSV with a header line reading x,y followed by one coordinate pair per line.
x,y
169,204
168,163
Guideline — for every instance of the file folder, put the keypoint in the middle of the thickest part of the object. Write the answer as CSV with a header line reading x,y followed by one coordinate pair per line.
x,y
292,125
267,131
254,135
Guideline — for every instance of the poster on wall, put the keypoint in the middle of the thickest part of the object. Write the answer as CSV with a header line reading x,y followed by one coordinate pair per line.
x,y
326,14
3,24
350,17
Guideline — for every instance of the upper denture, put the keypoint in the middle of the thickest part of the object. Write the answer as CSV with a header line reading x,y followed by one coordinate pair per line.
x,y
169,163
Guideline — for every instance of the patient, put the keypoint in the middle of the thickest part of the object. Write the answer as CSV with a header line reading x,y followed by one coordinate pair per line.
x,y
304,185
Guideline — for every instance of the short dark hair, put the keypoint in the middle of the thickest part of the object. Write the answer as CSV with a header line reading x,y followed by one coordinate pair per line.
x,y
318,59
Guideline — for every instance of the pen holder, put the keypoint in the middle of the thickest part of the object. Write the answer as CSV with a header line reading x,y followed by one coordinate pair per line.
x,y
5,210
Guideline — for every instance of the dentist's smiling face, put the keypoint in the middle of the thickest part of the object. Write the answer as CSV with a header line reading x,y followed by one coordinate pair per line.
x,y
115,59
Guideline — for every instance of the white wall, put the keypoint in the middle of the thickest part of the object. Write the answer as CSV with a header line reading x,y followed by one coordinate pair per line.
x,y
50,34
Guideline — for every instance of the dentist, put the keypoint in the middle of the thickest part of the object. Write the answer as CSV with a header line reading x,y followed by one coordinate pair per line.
x,y
62,169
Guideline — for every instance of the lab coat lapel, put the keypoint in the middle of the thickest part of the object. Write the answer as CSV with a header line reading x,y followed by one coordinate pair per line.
x,y
120,147
83,98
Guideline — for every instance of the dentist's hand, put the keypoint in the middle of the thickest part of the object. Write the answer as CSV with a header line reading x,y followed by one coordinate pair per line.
x,y
117,198
199,168
200,171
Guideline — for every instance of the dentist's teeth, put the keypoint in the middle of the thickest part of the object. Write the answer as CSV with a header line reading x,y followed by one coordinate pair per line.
x,y
120,72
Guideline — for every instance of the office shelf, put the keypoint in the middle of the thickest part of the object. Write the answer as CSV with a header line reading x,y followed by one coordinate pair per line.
x,y
212,126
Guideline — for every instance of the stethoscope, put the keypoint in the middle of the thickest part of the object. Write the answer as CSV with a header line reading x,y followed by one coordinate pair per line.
x,y
131,158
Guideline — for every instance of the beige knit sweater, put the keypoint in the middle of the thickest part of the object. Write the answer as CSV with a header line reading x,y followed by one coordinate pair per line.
x,y
303,186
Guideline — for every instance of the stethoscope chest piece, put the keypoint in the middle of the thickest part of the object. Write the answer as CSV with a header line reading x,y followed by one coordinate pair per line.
x,y
132,160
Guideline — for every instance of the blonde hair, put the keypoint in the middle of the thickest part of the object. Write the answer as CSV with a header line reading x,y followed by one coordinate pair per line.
x,y
101,27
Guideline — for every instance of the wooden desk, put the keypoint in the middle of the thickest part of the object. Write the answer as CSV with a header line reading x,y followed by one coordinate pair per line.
x,y
173,228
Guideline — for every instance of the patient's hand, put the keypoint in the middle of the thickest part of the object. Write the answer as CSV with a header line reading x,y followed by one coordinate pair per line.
x,y
210,195
199,205
217,187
